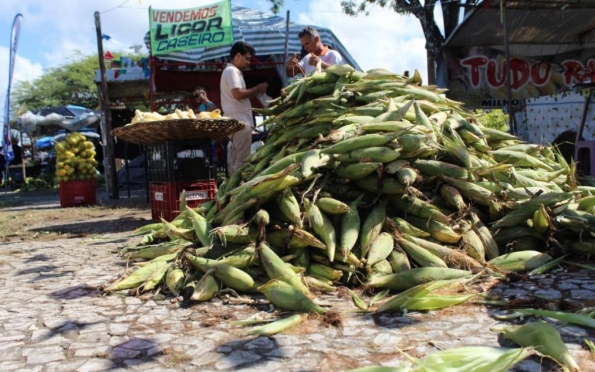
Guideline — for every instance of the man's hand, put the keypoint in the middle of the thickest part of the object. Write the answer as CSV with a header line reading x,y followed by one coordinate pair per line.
x,y
313,60
293,61
262,88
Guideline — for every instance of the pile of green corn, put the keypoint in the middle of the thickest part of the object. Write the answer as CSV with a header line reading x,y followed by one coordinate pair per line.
x,y
368,179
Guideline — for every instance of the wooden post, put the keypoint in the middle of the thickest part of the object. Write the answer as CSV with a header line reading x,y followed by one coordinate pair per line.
x,y
286,50
104,100
23,157
511,118
152,71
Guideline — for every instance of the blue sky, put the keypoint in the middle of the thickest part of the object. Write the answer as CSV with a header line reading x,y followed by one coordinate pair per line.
x,y
51,31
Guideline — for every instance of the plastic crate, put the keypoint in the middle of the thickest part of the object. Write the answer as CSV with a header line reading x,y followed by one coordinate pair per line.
x,y
77,193
165,197
177,161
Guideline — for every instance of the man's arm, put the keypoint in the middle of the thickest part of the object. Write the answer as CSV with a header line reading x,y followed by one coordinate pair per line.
x,y
240,94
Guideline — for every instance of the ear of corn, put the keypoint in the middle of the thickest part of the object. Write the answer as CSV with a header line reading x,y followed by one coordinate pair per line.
x,y
439,231
240,259
325,272
332,206
357,171
520,261
419,208
174,280
289,206
318,284
545,339
156,278
159,250
562,316
420,255
230,276
138,277
410,278
380,248
202,227
371,227
398,261
350,226
277,269
278,326
473,358
205,289
287,297
323,227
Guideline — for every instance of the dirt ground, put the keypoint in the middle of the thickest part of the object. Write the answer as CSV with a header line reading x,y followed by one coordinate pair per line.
x,y
37,215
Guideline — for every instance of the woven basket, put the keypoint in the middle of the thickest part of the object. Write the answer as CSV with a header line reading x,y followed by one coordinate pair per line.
x,y
154,132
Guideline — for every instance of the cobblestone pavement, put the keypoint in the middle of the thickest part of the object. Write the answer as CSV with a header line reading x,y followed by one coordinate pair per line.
x,y
53,317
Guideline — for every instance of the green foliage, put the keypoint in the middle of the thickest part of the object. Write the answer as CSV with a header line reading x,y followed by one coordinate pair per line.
x,y
495,119
276,5
69,84
72,83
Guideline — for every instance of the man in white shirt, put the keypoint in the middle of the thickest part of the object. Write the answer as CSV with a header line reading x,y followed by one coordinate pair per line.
x,y
235,100
310,40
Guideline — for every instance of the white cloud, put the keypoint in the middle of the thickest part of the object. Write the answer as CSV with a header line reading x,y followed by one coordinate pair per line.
x,y
382,39
24,70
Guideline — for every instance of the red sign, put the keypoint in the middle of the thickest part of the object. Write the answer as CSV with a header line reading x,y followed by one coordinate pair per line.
x,y
479,78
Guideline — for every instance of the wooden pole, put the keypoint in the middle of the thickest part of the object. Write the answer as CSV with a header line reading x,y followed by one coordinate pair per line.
x,y
104,99
286,50
23,157
152,71
511,118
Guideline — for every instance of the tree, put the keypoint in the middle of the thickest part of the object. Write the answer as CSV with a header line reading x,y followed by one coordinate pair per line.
x,y
72,83
423,12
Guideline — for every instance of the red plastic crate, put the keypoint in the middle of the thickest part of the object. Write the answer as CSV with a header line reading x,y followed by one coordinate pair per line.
x,y
77,193
165,197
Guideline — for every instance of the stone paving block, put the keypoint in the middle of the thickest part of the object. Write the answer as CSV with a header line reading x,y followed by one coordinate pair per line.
x,y
582,294
10,366
44,358
121,353
42,350
284,352
260,343
236,359
549,294
93,337
263,365
97,351
138,344
96,365
206,359
118,329
64,366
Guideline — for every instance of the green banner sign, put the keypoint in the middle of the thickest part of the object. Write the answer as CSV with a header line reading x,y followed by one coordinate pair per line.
x,y
183,29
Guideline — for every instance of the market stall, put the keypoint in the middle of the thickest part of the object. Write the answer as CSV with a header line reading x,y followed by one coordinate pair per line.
x,y
166,82
182,71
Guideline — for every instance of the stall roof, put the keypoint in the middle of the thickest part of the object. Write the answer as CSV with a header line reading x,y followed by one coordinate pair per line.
x,y
536,27
265,32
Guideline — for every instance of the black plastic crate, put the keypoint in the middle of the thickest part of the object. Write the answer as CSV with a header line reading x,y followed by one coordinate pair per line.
x,y
175,161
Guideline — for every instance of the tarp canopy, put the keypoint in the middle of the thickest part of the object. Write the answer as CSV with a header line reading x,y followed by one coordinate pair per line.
x,y
73,118
536,27
44,142
265,32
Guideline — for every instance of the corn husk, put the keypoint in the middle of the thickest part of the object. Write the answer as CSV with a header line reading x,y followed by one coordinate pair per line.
x,y
545,339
